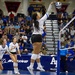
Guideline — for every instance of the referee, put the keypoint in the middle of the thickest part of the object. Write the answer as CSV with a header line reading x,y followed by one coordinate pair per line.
x,y
63,58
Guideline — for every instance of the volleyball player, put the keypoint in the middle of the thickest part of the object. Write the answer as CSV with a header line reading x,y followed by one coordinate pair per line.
x,y
14,48
37,38
3,49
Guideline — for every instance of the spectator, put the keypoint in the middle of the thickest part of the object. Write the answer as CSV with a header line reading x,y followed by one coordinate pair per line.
x,y
1,21
74,38
25,51
71,42
71,51
44,50
28,32
4,36
28,18
11,17
65,15
1,33
72,32
61,24
10,36
17,35
5,19
8,42
21,47
65,22
62,41
28,29
12,31
22,31
20,40
73,14
24,37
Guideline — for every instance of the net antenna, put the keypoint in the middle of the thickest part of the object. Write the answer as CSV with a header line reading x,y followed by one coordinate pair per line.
x,y
59,45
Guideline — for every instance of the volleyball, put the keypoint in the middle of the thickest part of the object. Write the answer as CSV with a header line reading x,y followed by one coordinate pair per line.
x,y
58,5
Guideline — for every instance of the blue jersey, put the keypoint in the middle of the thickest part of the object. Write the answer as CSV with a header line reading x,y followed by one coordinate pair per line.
x,y
63,52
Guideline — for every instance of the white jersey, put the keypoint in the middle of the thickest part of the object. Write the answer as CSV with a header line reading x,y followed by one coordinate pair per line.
x,y
3,50
41,23
13,47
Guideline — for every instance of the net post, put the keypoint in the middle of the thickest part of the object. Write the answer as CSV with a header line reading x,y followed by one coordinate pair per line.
x,y
58,58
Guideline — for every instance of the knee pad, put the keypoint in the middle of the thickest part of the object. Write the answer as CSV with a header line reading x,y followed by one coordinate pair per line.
x,y
38,56
15,64
34,56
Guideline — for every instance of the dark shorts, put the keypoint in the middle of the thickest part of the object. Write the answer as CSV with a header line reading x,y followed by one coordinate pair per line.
x,y
0,59
36,38
13,52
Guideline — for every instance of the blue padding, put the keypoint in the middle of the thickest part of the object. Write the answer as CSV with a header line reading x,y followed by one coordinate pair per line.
x,y
24,61
48,63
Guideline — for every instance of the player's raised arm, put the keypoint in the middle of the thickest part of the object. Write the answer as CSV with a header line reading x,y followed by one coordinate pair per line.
x,y
48,12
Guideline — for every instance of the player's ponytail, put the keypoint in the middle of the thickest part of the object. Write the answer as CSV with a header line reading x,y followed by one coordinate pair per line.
x,y
36,23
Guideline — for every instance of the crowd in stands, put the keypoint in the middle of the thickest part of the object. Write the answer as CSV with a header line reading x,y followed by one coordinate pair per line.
x,y
19,26
68,34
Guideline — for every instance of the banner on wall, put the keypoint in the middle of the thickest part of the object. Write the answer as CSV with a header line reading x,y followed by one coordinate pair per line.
x,y
12,6
36,7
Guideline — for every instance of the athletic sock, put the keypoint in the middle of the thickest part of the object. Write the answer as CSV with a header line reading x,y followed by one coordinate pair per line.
x,y
39,64
33,57
31,65
15,67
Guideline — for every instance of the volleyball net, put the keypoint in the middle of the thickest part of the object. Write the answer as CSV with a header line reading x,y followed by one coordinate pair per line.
x,y
66,34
